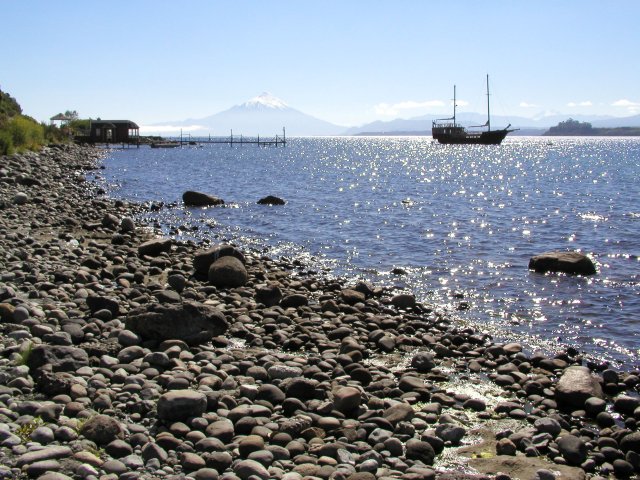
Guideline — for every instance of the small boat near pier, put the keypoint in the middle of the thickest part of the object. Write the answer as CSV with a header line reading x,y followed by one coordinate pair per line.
x,y
165,144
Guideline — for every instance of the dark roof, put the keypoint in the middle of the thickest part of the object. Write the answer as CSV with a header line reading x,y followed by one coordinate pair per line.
x,y
115,122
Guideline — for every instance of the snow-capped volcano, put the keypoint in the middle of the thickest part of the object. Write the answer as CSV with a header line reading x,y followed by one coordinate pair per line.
x,y
265,114
265,100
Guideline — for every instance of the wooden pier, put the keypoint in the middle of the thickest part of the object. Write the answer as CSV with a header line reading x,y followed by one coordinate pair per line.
x,y
231,140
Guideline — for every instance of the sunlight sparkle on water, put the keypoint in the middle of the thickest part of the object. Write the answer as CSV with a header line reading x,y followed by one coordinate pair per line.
x,y
362,205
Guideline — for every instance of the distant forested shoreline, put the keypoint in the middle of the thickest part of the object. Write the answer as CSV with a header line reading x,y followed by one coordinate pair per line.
x,y
573,127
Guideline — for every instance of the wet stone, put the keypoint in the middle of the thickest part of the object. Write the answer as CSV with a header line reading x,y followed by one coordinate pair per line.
x,y
548,425
572,449
475,404
423,362
575,386
420,450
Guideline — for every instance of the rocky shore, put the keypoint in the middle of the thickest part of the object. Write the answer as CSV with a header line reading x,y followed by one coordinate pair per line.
x,y
126,356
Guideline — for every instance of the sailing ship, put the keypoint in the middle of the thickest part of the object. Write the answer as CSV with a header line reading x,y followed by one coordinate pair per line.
x,y
448,131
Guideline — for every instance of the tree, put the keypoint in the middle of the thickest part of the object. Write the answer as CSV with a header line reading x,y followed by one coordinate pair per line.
x,y
71,114
571,127
9,107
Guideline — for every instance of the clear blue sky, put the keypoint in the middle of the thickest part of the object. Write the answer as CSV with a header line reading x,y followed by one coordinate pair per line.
x,y
348,62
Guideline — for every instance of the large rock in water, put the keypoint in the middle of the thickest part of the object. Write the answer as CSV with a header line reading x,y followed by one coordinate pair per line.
x,y
228,272
271,200
566,262
575,386
203,259
193,323
199,199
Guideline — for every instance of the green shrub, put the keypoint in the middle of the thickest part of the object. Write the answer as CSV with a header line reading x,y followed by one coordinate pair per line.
x,y
6,143
53,134
27,134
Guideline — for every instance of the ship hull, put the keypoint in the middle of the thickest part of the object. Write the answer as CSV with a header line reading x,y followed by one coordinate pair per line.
x,y
492,137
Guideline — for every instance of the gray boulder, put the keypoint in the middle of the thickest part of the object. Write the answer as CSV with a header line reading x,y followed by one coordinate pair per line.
x,y
191,322
199,199
504,446
250,469
205,258
60,358
97,303
423,362
110,221
181,404
548,425
228,272
346,399
400,412
294,300
572,449
155,247
575,386
20,198
420,450
102,429
631,442
566,262
404,301
351,296
222,430
269,295
127,225
450,433
626,404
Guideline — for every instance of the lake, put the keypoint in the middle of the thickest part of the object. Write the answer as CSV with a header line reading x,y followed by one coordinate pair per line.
x,y
460,221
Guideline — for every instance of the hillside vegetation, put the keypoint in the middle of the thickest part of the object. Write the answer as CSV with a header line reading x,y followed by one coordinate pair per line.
x,y
19,132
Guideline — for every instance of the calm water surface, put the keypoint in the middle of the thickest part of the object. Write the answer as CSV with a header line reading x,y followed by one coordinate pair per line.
x,y
459,219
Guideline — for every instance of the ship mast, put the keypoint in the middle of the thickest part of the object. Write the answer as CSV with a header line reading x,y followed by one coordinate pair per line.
x,y
454,105
488,113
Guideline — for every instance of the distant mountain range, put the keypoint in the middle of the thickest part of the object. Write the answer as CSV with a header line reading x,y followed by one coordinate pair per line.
x,y
262,115
527,126
267,115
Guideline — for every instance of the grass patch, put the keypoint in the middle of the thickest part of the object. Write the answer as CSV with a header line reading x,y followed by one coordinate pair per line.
x,y
27,134
25,430
25,354
97,452
483,455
